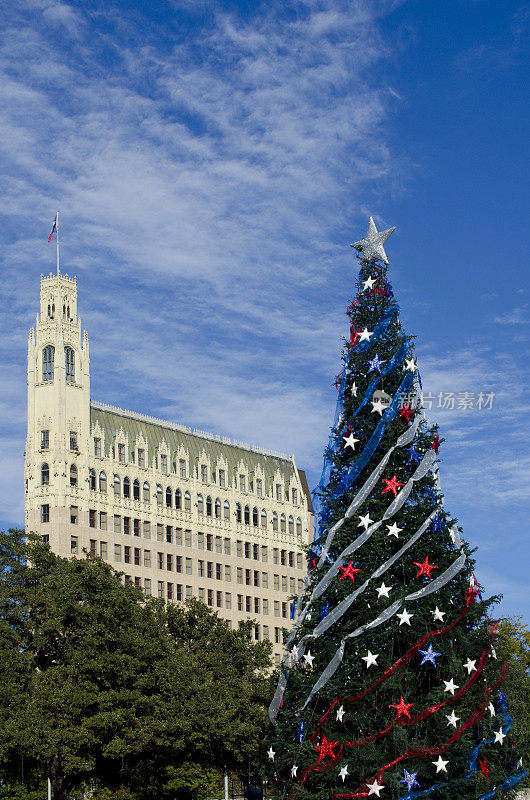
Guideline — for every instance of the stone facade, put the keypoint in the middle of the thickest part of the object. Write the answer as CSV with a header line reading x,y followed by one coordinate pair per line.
x,y
179,512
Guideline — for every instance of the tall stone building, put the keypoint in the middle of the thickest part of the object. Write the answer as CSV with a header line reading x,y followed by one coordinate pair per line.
x,y
181,513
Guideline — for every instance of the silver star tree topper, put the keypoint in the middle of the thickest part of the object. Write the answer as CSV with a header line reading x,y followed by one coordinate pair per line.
x,y
372,244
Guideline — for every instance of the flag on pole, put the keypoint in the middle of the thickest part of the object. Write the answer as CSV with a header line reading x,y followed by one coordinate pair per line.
x,y
54,228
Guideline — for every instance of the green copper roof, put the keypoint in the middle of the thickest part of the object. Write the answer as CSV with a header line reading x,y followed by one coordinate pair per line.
x,y
154,431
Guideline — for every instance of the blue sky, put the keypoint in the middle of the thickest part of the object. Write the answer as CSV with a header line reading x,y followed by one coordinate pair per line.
x,y
212,161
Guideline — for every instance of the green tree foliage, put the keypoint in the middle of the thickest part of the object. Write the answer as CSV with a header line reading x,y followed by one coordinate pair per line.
x,y
514,646
98,681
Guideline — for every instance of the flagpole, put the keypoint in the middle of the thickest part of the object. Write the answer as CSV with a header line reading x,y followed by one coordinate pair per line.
x,y
57,234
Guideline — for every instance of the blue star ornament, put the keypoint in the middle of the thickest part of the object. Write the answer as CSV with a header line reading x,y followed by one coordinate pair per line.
x,y
410,779
429,655
438,522
324,611
414,456
375,364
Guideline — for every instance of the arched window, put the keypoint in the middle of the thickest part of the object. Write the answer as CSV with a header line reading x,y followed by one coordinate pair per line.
x,y
147,492
73,475
159,494
200,504
282,523
169,497
226,509
92,479
255,519
187,501
136,489
208,506
263,518
48,355
117,486
178,498
246,517
102,482
298,526
45,474
238,512
291,525
218,509
274,521
69,357
126,487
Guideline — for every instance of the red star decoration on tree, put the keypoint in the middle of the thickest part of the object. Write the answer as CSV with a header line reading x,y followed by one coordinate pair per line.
x,y
392,485
485,768
436,444
349,572
406,412
424,568
402,708
354,335
471,595
325,749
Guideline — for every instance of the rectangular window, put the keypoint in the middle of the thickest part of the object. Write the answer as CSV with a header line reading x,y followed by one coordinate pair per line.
x,y
247,549
291,586
265,631
210,597
259,487
256,605
256,578
169,562
147,529
179,591
45,513
178,536
136,527
182,468
294,493
73,440
284,610
170,591
141,457
147,586
228,573
117,552
187,538
160,589
188,566
103,520
299,561
284,583
74,545
276,608
204,473
283,558
265,580
93,545
169,534
278,491
247,577
255,552
300,585
97,447
242,483
239,575
239,549
248,604
276,583
189,592
92,517
200,541
264,554
127,526
200,568
277,640
137,583
209,541
178,563
163,464
201,594
218,544
275,555
219,599
218,572
147,558
117,523
240,602
228,600
160,560
159,532
222,478
291,558
209,569
127,554
44,440
121,453
265,606
73,515
227,547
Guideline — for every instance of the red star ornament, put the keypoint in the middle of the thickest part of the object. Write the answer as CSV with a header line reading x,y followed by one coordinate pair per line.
x,y
485,768
471,595
354,335
349,572
392,485
402,708
424,568
406,412
325,749
436,444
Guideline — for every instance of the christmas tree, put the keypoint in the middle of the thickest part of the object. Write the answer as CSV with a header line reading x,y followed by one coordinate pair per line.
x,y
390,685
